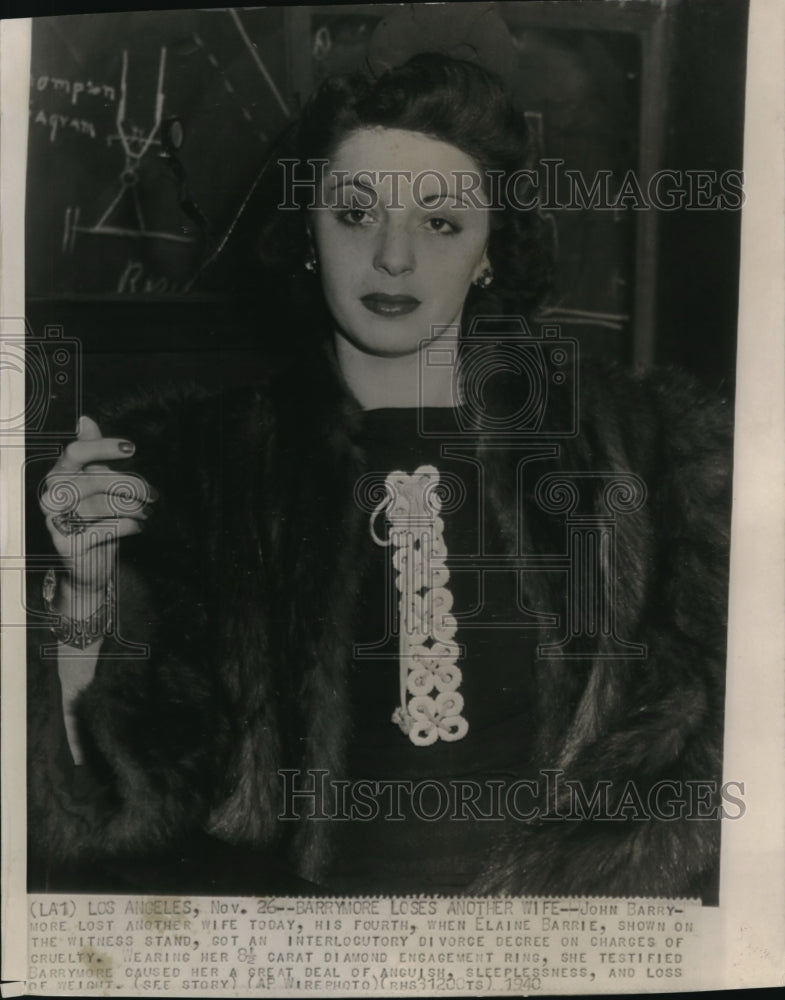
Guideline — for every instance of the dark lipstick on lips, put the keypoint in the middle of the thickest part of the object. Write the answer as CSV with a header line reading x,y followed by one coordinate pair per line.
x,y
389,305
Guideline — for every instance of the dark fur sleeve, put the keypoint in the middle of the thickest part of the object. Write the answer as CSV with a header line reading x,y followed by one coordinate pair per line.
x,y
640,723
151,726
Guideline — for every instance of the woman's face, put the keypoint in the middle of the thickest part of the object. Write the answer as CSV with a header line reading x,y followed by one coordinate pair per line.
x,y
398,238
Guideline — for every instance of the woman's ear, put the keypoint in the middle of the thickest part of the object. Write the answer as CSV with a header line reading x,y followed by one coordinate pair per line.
x,y
483,266
483,272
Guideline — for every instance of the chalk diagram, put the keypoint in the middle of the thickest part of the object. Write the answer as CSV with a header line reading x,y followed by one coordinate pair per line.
x,y
137,144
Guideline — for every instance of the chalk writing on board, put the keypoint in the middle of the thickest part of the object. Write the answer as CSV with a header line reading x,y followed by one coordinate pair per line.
x,y
137,279
136,143
75,89
55,122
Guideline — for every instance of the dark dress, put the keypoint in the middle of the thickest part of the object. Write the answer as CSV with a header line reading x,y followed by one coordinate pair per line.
x,y
429,831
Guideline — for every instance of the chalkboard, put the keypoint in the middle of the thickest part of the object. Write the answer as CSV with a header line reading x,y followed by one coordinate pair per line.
x,y
147,130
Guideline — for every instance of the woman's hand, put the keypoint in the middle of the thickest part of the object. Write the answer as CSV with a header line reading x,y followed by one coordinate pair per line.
x,y
89,507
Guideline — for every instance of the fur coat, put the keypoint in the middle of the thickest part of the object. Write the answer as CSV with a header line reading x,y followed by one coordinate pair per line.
x,y
243,584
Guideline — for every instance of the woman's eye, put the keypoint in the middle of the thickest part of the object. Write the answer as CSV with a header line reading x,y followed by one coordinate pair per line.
x,y
437,224
355,217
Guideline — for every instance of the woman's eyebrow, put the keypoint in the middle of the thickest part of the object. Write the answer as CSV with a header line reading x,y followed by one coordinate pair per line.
x,y
360,181
440,197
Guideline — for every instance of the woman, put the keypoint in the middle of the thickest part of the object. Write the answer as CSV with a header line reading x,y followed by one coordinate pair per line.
x,y
353,584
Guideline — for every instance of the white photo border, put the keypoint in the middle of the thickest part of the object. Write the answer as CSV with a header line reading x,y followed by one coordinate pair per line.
x,y
742,938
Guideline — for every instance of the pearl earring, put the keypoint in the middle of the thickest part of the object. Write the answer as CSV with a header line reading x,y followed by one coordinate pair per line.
x,y
310,263
485,278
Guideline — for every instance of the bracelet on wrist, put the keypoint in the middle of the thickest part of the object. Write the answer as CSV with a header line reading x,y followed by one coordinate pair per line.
x,y
76,632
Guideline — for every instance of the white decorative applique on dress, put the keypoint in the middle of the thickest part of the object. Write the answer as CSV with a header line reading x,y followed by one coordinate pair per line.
x,y
431,704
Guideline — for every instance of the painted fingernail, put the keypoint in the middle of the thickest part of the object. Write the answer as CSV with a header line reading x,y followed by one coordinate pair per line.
x,y
127,447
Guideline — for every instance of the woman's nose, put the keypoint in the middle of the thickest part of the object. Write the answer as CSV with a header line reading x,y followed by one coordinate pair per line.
x,y
394,251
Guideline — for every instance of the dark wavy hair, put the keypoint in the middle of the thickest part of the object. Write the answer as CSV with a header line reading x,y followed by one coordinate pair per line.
x,y
455,101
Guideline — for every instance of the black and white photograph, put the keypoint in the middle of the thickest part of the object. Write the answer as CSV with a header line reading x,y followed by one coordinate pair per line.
x,y
380,388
